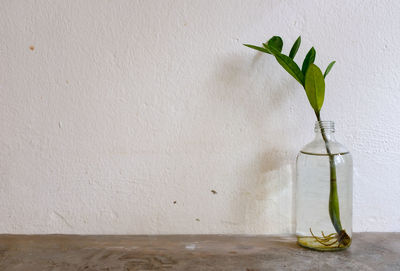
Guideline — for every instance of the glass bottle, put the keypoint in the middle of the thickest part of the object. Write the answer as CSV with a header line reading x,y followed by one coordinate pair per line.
x,y
324,192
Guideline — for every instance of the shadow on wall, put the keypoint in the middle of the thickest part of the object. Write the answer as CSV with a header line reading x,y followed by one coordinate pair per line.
x,y
263,201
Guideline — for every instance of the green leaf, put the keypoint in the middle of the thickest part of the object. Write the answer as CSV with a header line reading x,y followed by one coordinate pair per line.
x,y
328,69
295,48
267,48
309,59
315,87
276,43
289,65
261,49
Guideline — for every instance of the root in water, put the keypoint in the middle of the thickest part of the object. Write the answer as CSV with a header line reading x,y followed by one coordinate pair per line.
x,y
340,239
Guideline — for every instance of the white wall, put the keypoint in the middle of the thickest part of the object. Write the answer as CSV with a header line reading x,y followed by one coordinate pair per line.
x,y
121,108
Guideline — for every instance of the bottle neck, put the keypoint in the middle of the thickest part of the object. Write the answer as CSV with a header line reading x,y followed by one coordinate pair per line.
x,y
325,127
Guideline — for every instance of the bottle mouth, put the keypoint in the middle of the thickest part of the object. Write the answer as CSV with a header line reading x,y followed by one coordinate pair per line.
x,y
326,125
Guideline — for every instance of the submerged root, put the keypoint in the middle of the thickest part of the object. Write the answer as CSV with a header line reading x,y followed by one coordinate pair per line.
x,y
340,239
325,239
332,234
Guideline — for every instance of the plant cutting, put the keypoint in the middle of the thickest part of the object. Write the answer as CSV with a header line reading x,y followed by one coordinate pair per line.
x,y
322,164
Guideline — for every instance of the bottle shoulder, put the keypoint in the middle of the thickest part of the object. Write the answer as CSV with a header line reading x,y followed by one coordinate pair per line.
x,y
318,147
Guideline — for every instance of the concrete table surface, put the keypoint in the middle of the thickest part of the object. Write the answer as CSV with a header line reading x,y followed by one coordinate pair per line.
x,y
369,251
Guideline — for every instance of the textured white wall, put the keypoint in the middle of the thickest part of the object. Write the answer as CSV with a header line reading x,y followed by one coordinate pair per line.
x,y
111,111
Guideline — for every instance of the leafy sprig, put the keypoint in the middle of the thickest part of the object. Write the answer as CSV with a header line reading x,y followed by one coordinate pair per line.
x,y
309,76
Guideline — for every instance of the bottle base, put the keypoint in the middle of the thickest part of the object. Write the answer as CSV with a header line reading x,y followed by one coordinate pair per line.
x,y
311,242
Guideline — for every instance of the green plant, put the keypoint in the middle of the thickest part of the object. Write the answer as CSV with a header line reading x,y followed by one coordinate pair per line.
x,y
313,81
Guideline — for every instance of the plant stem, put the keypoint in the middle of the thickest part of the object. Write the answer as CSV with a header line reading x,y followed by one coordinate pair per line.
x,y
333,194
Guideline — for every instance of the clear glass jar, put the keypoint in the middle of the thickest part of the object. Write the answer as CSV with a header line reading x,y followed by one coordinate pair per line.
x,y
324,192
